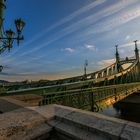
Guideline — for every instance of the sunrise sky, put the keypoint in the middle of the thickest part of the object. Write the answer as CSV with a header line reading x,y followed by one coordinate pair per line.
x,y
61,34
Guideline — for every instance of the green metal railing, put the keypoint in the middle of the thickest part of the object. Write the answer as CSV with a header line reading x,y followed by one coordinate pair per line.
x,y
91,98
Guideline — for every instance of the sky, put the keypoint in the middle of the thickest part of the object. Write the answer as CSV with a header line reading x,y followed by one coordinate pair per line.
x,y
61,34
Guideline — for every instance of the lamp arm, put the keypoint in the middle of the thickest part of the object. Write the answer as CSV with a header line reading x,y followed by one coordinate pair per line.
x,y
14,38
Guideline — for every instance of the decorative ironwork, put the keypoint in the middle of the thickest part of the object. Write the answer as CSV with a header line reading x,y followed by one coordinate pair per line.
x,y
8,37
91,98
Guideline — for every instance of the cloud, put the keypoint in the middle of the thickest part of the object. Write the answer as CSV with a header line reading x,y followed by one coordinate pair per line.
x,y
51,75
113,22
127,37
36,77
70,50
90,47
105,63
98,65
84,22
68,18
130,44
127,49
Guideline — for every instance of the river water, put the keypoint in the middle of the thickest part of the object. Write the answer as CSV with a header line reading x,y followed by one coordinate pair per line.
x,y
113,112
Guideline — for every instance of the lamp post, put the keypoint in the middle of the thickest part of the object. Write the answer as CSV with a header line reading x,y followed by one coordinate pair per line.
x,y
7,37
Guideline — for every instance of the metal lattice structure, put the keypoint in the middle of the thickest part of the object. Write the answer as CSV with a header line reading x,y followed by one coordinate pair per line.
x,y
93,99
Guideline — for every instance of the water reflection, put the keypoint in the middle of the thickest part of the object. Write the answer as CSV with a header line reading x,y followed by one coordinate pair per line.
x,y
117,112
111,111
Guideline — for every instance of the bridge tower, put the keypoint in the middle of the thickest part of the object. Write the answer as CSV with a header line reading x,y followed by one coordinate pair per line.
x,y
117,55
118,66
136,50
137,68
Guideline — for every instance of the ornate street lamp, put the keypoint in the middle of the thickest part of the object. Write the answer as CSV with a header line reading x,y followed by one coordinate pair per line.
x,y
19,26
7,37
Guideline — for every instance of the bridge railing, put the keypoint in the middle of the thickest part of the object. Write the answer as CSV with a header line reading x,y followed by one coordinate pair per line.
x,y
92,98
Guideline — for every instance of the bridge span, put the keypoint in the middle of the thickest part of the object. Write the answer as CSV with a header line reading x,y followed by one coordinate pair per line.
x,y
92,91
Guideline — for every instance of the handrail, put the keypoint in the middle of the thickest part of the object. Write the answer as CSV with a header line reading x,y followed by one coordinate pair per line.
x,y
91,98
92,89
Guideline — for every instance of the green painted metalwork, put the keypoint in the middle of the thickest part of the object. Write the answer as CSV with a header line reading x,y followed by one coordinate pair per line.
x,y
90,98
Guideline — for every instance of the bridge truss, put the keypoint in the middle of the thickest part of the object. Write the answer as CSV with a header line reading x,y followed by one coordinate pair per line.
x,y
93,99
95,90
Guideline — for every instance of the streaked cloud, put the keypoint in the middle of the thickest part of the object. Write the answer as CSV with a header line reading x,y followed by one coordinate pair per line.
x,y
105,63
68,18
71,50
127,37
90,47
105,26
114,21
130,44
127,49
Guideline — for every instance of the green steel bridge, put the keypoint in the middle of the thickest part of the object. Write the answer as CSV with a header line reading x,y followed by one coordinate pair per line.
x,y
93,91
